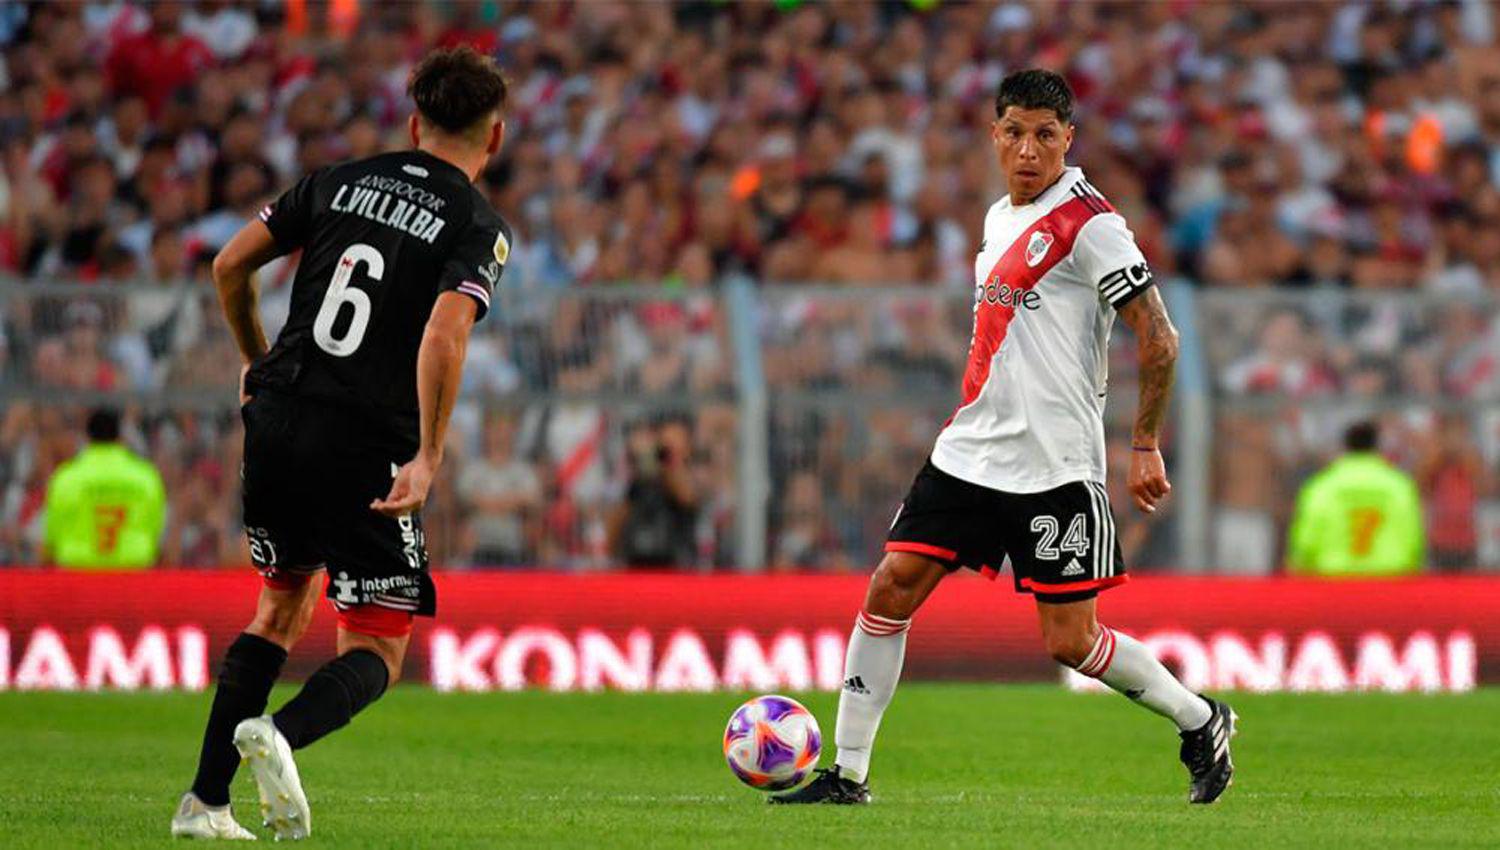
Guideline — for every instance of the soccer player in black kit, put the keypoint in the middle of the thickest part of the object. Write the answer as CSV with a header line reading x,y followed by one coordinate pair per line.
x,y
345,418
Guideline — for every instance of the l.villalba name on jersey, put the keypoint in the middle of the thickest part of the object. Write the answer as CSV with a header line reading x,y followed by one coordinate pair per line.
x,y
388,210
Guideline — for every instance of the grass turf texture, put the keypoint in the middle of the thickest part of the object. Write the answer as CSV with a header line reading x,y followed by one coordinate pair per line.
x,y
956,766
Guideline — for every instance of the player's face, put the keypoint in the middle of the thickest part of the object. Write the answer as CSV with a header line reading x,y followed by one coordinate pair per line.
x,y
1031,144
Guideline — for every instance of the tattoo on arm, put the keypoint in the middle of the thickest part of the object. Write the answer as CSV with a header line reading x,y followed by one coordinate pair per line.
x,y
1157,353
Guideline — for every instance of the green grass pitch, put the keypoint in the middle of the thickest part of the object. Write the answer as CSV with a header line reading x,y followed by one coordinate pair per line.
x,y
956,766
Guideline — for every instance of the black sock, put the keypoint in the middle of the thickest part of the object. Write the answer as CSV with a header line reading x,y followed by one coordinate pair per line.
x,y
332,696
251,666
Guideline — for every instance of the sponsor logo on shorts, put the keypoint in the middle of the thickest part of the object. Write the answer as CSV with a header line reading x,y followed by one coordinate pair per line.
x,y
381,589
411,542
345,589
262,550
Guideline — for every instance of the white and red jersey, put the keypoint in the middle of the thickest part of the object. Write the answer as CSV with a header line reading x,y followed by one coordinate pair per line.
x,y
1048,279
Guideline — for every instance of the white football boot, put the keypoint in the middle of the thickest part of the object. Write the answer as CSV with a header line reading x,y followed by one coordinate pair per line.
x,y
195,820
283,806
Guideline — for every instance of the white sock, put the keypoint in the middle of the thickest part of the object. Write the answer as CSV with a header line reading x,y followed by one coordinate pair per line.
x,y
1125,664
872,667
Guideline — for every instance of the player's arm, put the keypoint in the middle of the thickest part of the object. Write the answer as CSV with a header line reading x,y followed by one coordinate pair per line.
x,y
233,270
440,367
1156,352
281,228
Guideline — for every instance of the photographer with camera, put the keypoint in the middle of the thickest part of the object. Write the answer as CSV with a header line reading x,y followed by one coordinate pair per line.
x,y
655,525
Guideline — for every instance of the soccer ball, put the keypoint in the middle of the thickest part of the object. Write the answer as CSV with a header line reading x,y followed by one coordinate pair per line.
x,y
772,742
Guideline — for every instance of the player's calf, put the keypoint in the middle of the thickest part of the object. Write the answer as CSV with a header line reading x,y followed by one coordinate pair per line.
x,y
332,696
1127,666
366,666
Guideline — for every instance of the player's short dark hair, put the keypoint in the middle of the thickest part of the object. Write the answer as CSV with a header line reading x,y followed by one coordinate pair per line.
x,y
457,87
1362,436
1036,88
103,425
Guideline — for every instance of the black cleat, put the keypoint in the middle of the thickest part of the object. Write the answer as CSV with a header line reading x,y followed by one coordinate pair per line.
x,y
1205,753
827,787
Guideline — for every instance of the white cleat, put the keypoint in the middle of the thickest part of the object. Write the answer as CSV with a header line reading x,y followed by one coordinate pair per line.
x,y
283,806
195,820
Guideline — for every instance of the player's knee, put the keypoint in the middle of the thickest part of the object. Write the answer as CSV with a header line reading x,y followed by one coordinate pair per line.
x,y
282,624
894,589
1068,647
284,628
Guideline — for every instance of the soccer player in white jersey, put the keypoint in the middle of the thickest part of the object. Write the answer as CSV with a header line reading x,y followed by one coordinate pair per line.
x,y
1018,470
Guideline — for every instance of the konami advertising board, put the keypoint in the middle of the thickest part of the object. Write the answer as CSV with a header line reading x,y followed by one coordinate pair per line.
x,y
501,631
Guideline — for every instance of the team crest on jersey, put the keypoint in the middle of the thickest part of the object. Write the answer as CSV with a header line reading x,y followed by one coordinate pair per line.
x,y
1037,247
502,248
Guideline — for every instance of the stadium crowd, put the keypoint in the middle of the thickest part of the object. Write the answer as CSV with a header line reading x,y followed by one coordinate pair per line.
x,y
1322,147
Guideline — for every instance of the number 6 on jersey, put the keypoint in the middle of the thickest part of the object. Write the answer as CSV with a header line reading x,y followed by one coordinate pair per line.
x,y
340,293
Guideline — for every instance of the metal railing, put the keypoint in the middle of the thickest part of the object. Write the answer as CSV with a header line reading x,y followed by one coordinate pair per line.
x,y
808,408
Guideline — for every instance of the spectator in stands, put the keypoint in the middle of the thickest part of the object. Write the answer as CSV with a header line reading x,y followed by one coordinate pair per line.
x,y
502,495
106,507
656,524
155,63
1360,516
1453,476
806,538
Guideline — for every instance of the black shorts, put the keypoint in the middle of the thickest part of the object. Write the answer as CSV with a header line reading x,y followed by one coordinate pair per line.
x,y
1061,542
310,471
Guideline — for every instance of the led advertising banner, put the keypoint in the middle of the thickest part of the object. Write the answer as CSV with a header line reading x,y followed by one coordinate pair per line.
x,y
495,631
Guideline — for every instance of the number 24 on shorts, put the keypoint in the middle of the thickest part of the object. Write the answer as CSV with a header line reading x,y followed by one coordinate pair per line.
x,y
1074,540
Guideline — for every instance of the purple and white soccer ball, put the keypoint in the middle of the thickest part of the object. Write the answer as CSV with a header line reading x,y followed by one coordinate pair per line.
x,y
772,742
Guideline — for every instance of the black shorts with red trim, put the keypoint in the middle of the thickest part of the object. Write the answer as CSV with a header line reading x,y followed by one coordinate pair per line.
x,y
310,471
1060,542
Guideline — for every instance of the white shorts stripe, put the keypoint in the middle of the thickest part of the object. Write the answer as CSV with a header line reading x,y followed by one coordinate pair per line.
x,y
1098,529
1102,530
1107,532
1109,516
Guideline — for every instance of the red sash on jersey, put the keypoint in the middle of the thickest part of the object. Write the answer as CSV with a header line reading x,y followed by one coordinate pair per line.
x,y
992,321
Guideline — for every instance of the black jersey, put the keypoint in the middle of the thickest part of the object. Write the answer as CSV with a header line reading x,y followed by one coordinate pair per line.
x,y
380,238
